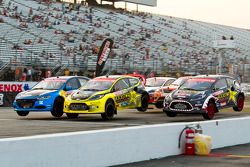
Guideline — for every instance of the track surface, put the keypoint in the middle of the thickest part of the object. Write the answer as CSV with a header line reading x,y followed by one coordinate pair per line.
x,y
38,123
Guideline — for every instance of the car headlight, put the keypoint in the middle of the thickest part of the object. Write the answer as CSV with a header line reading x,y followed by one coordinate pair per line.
x,y
45,97
18,95
96,97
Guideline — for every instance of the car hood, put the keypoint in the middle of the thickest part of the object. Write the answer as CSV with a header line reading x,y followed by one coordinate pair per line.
x,y
82,94
187,94
38,92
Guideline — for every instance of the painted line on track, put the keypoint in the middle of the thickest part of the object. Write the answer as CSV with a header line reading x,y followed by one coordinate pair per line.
x,y
62,121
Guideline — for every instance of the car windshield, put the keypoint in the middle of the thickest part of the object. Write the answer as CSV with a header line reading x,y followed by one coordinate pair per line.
x,y
198,84
154,82
179,81
97,85
49,84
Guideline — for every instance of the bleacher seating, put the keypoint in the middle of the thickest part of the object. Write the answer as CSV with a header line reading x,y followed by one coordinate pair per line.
x,y
60,38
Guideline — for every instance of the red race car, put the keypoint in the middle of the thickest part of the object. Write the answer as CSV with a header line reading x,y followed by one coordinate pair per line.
x,y
160,93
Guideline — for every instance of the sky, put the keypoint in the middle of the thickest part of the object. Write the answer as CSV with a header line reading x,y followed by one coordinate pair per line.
x,y
234,13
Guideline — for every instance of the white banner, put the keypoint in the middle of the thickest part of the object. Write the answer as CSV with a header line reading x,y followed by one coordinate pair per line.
x,y
16,86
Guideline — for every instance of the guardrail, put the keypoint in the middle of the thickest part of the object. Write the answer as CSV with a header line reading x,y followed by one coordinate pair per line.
x,y
115,146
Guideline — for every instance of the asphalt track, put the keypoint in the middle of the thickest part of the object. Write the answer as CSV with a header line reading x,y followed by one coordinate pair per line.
x,y
13,125
37,123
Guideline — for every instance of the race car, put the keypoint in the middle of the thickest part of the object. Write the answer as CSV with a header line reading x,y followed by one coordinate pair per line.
x,y
140,76
47,95
154,83
105,95
205,95
162,92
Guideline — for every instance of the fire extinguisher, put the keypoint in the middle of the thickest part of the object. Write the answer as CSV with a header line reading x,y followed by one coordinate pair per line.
x,y
189,140
189,144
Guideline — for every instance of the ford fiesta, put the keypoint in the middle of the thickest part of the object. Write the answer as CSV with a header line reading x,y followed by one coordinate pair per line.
x,y
46,95
205,95
162,92
105,95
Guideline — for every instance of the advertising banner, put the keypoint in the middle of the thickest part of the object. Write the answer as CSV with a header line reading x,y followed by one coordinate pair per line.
x,y
9,90
103,55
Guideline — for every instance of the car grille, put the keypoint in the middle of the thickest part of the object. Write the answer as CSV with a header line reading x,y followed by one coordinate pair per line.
x,y
25,103
78,106
180,105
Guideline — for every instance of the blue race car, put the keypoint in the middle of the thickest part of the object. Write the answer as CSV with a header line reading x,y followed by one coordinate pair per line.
x,y
47,95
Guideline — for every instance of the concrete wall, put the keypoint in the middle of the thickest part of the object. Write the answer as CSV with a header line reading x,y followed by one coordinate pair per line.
x,y
114,146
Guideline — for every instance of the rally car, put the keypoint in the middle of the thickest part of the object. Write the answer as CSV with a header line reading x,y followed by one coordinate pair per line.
x,y
154,83
47,95
105,95
205,95
162,92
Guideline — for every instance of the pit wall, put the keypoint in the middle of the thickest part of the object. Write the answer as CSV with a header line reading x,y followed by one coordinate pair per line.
x,y
115,146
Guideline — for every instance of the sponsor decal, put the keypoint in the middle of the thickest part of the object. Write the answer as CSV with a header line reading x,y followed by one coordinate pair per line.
x,y
15,86
105,53
223,95
122,98
232,95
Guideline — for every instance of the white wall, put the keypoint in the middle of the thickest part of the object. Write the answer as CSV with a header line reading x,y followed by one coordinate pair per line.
x,y
114,146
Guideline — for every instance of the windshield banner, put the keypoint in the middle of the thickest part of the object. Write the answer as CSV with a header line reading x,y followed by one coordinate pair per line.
x,y
9,90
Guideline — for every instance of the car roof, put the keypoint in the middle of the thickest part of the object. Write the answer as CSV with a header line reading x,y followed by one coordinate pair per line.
x,y
64,77
113,77
164,78
213,76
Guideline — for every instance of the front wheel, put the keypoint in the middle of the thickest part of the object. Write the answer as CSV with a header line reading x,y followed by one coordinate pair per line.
x,y
22,113
58,107
72,115
240,103
109,110
159,105
211,109
144,103
170,114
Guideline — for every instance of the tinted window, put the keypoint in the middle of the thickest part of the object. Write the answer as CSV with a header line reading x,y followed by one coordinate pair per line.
x,y
73,83
220,84
120,85
198,84
168,82
133,81
82,81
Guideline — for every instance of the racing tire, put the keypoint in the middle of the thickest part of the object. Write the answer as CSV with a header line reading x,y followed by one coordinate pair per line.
x,y
72,115
240,103
159,105
170,114
22,113
58,108
144,103
110,110
211,109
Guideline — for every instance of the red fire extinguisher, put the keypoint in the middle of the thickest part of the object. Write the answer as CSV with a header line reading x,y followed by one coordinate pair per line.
x,y
189,145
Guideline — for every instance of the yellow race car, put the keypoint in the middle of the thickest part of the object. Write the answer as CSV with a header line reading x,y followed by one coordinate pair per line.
x,y
105,95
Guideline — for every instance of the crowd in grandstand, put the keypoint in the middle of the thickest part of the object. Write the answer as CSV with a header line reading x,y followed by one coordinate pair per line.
x,y
57,36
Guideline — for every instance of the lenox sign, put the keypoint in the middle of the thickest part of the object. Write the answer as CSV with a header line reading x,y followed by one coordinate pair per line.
x,y
15,86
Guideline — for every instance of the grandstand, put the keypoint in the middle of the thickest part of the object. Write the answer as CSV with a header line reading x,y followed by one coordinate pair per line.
x,y
59,36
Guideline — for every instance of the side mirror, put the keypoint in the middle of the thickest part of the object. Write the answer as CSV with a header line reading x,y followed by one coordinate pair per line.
x,y
136,88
